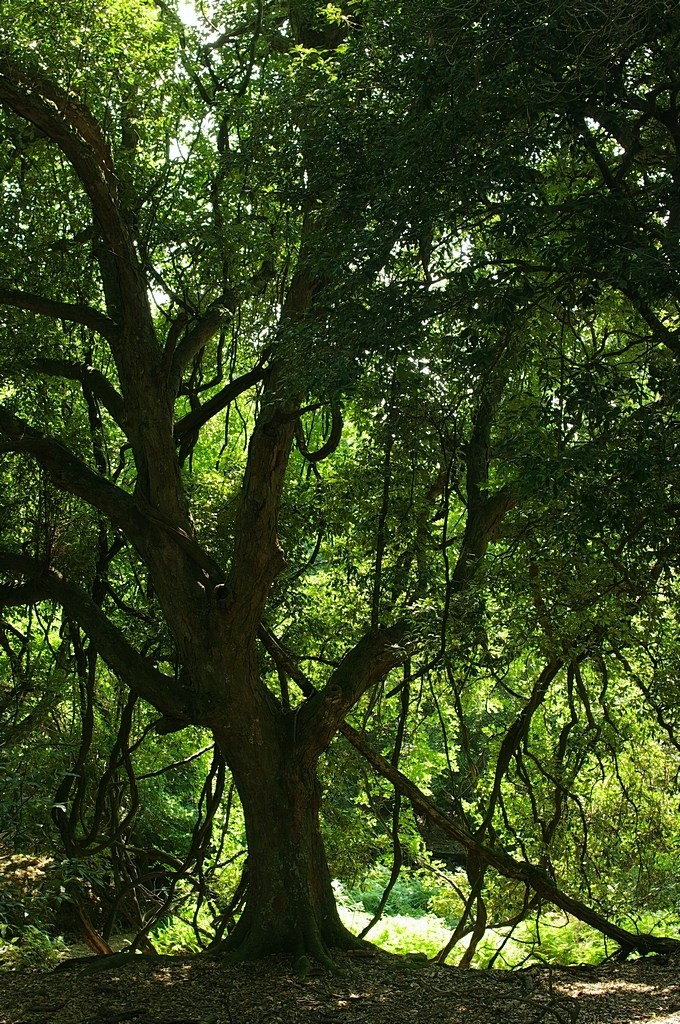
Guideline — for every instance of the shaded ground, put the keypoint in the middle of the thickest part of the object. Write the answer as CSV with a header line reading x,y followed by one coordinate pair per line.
x,y
378,989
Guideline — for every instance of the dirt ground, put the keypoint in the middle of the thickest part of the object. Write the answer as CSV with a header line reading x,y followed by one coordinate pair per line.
x,y
376,989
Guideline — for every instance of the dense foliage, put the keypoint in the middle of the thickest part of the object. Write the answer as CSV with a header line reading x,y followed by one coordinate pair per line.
x,y
429,255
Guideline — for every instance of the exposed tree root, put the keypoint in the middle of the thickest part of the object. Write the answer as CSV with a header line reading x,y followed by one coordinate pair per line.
x,y
253,939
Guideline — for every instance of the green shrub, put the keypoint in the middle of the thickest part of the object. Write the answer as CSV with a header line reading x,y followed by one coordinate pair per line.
x,y
32,950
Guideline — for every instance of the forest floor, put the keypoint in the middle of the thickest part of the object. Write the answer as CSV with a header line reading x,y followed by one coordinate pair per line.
x,y
381,988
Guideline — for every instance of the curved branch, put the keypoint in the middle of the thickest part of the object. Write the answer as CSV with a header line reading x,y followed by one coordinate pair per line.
x,y
100,386
66,121
533,876
483,519
45,584
68,472
73,312
330,445
196,419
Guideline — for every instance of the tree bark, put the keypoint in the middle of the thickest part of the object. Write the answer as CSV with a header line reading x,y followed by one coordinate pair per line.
x,y
290,906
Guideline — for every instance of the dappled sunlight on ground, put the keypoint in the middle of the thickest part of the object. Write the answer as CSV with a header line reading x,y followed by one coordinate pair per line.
x,y
374,988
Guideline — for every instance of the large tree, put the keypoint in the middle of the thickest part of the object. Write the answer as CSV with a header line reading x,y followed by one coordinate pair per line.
x,y
295,212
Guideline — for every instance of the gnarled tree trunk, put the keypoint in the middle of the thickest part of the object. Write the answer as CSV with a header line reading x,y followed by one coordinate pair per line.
x,y
290,906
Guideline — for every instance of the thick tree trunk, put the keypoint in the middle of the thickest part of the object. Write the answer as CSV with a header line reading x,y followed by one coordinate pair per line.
x,y
290,906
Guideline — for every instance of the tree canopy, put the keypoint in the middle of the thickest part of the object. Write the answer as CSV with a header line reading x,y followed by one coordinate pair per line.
x,y
339,458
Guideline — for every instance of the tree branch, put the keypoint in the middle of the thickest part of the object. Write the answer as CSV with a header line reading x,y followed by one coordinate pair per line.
x,y
73,312
258,557
533,876
516,734
483,519
68,472
329,446
208,325
484,512
66,121
195,339
193,421
45,584
367,663
283,660
503,862
100,386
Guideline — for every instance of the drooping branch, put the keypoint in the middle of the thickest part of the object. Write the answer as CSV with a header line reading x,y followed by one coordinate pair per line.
x,y
532,875
329,446
100,386
506,865
67,471
75,313
45,584
516,734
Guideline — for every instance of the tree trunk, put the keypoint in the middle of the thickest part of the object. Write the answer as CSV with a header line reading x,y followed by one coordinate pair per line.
x,y
290,906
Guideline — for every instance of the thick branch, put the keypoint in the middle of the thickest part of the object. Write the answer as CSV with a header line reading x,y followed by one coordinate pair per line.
x,y
140,521
70,124
367,663
73,312
258,557
483,519
503,863
192,343
195,420
67,471
100,386
484,512
45,584
208,325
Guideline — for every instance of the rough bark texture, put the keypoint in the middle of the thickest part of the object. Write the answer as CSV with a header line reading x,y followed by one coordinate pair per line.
x,y
290,904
